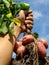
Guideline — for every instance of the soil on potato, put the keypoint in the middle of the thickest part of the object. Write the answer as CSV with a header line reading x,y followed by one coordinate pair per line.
x,y
30,58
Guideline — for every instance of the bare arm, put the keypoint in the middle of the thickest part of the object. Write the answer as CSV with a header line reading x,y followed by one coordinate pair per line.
x,y
6,46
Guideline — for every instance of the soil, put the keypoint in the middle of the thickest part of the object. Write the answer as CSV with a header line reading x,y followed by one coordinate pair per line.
x,y
31,57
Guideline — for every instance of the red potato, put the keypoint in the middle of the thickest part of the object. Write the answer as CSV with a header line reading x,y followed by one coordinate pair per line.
x,y
41,49
44,42
27,39
24,41
21,50
17,44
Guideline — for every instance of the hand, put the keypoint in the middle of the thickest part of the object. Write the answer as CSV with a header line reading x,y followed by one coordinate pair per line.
x,y
26,18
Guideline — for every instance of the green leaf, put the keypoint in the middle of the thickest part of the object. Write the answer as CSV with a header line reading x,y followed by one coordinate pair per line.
x,y
14,3
9,9
11,28
9,15
1,1
1,9
24,6
10,1
36,35
16,21
6,3
3,28
1,19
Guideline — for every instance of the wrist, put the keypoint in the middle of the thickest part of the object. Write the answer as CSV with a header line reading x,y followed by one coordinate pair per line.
x,y
17,31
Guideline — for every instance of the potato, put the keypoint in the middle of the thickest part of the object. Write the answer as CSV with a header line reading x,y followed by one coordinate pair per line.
x,y
21,50
41,49
24,41
27,39
44,42
17,44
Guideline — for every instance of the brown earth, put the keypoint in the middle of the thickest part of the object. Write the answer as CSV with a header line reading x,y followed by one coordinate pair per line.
x,y
30,58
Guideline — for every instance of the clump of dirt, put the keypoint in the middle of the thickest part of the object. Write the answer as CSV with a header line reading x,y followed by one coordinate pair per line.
x,y
30,58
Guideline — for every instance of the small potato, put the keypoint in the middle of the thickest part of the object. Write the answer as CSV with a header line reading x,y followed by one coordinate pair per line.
x,y
41,49
44,42
17,44
21,50
27,39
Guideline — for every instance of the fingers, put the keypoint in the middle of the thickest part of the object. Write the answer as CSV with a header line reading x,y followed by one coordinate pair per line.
x,y
29,19
30,14
27,12
23,28
26,17
28,22
30,11
29,26
21,16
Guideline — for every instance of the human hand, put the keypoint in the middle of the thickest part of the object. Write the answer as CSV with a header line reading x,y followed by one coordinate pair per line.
x,y
26,17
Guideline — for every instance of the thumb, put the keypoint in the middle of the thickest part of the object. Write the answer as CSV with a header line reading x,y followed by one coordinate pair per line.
x,y
21,16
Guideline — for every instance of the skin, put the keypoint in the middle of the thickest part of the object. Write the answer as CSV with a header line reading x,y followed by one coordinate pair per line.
x,y
26,18
41,49
6,47
7,44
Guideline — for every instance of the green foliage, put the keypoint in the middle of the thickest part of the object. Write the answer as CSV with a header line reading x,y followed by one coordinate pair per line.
x,y
24,6
8,11
7,4
11,27
36,35
3,28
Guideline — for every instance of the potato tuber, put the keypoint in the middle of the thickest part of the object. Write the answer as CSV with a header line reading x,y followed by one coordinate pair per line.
x,y
44,42
21,50
27,39
41,49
